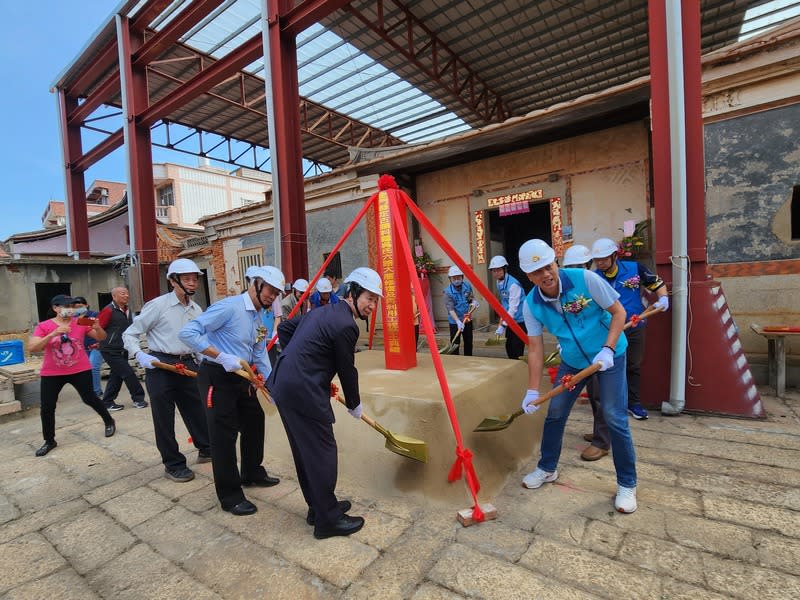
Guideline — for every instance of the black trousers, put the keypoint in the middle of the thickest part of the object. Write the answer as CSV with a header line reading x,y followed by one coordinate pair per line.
x,y
466,336
232,408
50,388
168,390
316,462
121,371
634,355
515,347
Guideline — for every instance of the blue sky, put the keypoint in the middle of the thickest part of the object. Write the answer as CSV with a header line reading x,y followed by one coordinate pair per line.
x,y
40,39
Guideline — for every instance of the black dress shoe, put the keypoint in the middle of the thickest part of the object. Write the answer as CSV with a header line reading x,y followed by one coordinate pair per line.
x,y
46,447
345,526
266,482
111,429
245,507
342,505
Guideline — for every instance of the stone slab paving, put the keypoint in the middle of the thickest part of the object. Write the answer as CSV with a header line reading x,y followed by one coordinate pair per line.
x,y
719,517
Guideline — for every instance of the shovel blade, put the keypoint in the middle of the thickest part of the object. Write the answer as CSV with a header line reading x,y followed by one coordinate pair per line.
x,y
416,450
494,423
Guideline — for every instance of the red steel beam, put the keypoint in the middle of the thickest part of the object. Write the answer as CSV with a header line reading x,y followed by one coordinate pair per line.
x,y
457,77
102,93
147,14
75,187
204,81
100,151
307,13
141,193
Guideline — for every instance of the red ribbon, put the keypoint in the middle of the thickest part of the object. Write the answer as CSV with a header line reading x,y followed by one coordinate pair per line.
x,y
635,320
464,464
180,368
566,381
334,390
209,404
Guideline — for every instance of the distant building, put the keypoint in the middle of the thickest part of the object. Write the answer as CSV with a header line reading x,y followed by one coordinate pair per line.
x,y
100,196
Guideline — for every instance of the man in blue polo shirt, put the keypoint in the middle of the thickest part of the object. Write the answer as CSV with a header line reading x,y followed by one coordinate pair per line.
x,y
584,313
630,279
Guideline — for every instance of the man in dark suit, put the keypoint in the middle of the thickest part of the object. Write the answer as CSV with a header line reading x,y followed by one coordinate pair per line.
x,y
320,345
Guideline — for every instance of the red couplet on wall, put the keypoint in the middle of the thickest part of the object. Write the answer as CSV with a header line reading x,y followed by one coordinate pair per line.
x,y
400,351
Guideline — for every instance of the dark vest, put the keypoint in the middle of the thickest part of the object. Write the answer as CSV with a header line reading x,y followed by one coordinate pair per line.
x,y
118,323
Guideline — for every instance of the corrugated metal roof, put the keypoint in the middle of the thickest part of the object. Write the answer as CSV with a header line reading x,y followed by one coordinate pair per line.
x,y
386,72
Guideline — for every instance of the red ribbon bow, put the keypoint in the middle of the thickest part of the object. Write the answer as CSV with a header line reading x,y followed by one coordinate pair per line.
x,y
635,320
464,464
334,390
180,368
566,381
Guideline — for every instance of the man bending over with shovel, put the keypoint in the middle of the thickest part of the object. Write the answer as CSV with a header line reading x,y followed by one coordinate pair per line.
x,y
322,344
584,313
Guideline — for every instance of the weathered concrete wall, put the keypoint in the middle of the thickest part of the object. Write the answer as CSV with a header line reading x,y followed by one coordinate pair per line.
x,y
752,163
326,226
18,283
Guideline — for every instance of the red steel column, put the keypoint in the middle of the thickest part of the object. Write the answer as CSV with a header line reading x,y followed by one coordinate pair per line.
x,y
141,194
75,201
287,155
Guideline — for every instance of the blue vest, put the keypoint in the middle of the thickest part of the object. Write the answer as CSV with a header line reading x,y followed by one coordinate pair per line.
x,y
504,287
630,297
581,334
268,319
460,298
316,299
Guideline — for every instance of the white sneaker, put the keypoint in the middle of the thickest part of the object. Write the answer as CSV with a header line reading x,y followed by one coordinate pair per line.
x,y
536,478
625,502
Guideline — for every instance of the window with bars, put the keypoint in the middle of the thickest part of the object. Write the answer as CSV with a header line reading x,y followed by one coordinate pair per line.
x,y
249,257
166,196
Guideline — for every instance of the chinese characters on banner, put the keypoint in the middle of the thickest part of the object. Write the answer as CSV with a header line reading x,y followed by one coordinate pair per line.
x,y
520,197
480,238
390,324
556,226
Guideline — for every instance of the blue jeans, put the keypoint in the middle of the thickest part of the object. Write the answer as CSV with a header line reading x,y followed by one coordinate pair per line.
x,y
97,360
613,387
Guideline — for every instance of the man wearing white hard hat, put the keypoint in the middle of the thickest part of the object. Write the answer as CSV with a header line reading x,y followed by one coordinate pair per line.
x,y
231,330
459,301
160,322
577,256
298,287
318,347
323,294
270,317
511,296
631,279
585,314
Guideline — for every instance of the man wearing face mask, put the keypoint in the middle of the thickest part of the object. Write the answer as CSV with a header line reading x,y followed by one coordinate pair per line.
x,y
160,320
317,347
459,302
232,330
115,318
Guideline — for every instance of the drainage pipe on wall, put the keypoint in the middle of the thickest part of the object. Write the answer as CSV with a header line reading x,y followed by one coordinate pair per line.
x,y
679,258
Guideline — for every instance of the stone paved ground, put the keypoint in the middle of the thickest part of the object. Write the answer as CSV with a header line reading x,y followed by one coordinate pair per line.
x,y
719,517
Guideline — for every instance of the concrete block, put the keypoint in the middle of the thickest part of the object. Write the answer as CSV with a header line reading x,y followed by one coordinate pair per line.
x,y
26,559
136,506
8,407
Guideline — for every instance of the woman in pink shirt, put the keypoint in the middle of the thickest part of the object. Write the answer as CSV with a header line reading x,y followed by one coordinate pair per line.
x,y
65,361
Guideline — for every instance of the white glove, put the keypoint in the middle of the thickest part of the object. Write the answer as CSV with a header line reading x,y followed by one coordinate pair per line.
x,y
662,303
527,406
460,324
501,330
355,412
474,304
146,360
605,357
229,362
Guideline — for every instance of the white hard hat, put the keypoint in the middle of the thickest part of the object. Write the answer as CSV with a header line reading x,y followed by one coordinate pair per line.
x,y
576,255
453,271
301,285
535,254
324,285
252,272
180,266
269,275
498,262
367,279
604,247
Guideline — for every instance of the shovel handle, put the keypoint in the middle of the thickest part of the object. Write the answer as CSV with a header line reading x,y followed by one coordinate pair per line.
x,y
365,418
174,369
576,378
648,312
247,373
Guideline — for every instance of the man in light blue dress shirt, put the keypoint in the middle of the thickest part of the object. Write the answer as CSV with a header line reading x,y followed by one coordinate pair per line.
x,y
229,331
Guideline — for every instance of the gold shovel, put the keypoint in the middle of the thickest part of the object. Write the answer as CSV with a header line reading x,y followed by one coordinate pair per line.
x,y
452,347
263,396
502,422
399,444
